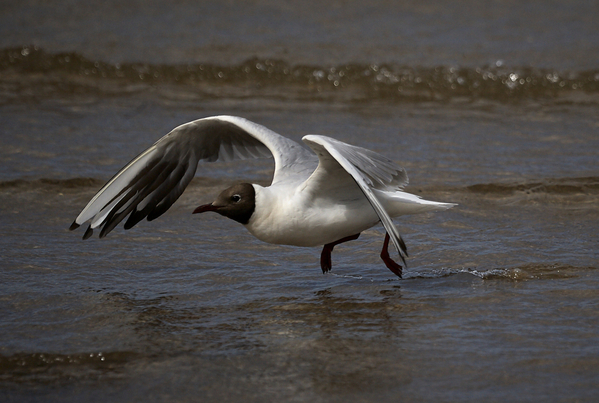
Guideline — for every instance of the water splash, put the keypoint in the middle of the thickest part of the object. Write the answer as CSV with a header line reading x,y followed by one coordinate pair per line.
x,y
525,272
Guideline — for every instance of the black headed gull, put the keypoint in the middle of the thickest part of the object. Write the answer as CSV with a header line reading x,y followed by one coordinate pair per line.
x,y
317,199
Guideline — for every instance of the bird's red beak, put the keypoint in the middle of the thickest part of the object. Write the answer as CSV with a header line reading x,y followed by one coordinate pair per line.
x,y
205,207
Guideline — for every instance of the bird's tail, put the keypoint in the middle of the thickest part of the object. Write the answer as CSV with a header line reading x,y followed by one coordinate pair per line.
x,y
402,203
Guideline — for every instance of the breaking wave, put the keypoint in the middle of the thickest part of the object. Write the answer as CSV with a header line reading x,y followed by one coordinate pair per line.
x,y
68,72
556,186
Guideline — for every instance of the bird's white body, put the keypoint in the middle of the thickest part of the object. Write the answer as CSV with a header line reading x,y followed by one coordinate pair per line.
x,y
315,198
300,218
294,217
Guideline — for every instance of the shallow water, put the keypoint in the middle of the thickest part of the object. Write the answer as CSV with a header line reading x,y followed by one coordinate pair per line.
x,y
484,107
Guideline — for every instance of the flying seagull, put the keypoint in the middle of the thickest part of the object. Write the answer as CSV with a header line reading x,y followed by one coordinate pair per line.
x,y
324,197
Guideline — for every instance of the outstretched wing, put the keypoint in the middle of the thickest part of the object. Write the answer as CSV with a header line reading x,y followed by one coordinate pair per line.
x,y
154,180
368,169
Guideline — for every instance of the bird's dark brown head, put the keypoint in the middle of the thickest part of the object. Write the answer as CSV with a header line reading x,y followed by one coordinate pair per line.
x,y
237,203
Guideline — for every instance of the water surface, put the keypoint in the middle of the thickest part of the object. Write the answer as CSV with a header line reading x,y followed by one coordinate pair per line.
x,y
493,107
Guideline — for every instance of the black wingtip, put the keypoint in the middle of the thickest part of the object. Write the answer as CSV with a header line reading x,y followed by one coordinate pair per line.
x,y
404,248
74,226
88,233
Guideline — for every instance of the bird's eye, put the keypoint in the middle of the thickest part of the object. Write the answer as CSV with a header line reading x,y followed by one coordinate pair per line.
x,y
235,198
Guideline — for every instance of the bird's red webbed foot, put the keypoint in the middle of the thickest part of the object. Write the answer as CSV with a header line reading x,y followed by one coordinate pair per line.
x,y
391,265
325,256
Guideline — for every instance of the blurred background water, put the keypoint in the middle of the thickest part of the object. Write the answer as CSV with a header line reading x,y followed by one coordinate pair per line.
x,y
492,105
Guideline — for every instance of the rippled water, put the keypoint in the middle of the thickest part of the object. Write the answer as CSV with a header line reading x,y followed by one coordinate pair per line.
x,y
493,107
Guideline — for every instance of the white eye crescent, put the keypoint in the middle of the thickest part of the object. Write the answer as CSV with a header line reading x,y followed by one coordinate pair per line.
x,y
236,198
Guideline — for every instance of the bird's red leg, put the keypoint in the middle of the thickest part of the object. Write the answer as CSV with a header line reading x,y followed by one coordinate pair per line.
x,y
325,256
391,265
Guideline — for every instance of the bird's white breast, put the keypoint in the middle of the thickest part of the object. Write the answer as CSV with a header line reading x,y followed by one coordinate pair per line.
x,y
291,217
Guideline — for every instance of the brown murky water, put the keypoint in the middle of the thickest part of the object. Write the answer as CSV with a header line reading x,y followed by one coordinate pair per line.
x,y
484,106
